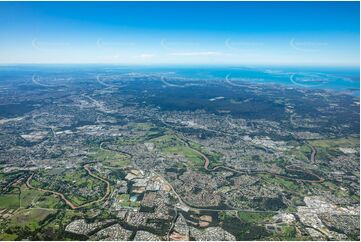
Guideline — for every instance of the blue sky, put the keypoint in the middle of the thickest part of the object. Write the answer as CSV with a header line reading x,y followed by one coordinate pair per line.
x,y
236,33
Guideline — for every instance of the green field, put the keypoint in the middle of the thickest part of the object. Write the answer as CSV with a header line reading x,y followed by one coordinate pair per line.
x,y
170,144
30,218
251,217
7,237
214,157
245,226
328,148
284,183
70,182
127,140
301,152
9,201
38,199
353,142
111,158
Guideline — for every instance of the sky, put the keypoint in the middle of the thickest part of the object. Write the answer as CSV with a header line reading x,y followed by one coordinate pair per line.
x,y
181,33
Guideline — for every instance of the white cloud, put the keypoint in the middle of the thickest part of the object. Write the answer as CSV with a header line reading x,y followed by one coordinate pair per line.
x,y
144,56
204,53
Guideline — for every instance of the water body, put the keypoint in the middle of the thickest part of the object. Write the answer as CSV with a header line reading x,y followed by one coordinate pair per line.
x,y
335,79
338,79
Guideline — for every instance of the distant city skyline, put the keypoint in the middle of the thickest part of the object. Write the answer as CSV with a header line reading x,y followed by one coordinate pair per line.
x,y
181,33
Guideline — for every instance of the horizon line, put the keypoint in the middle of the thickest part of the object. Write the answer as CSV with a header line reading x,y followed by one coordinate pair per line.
x,y
188,64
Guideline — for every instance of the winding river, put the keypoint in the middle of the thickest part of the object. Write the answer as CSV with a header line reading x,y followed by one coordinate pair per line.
x,y
62,196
